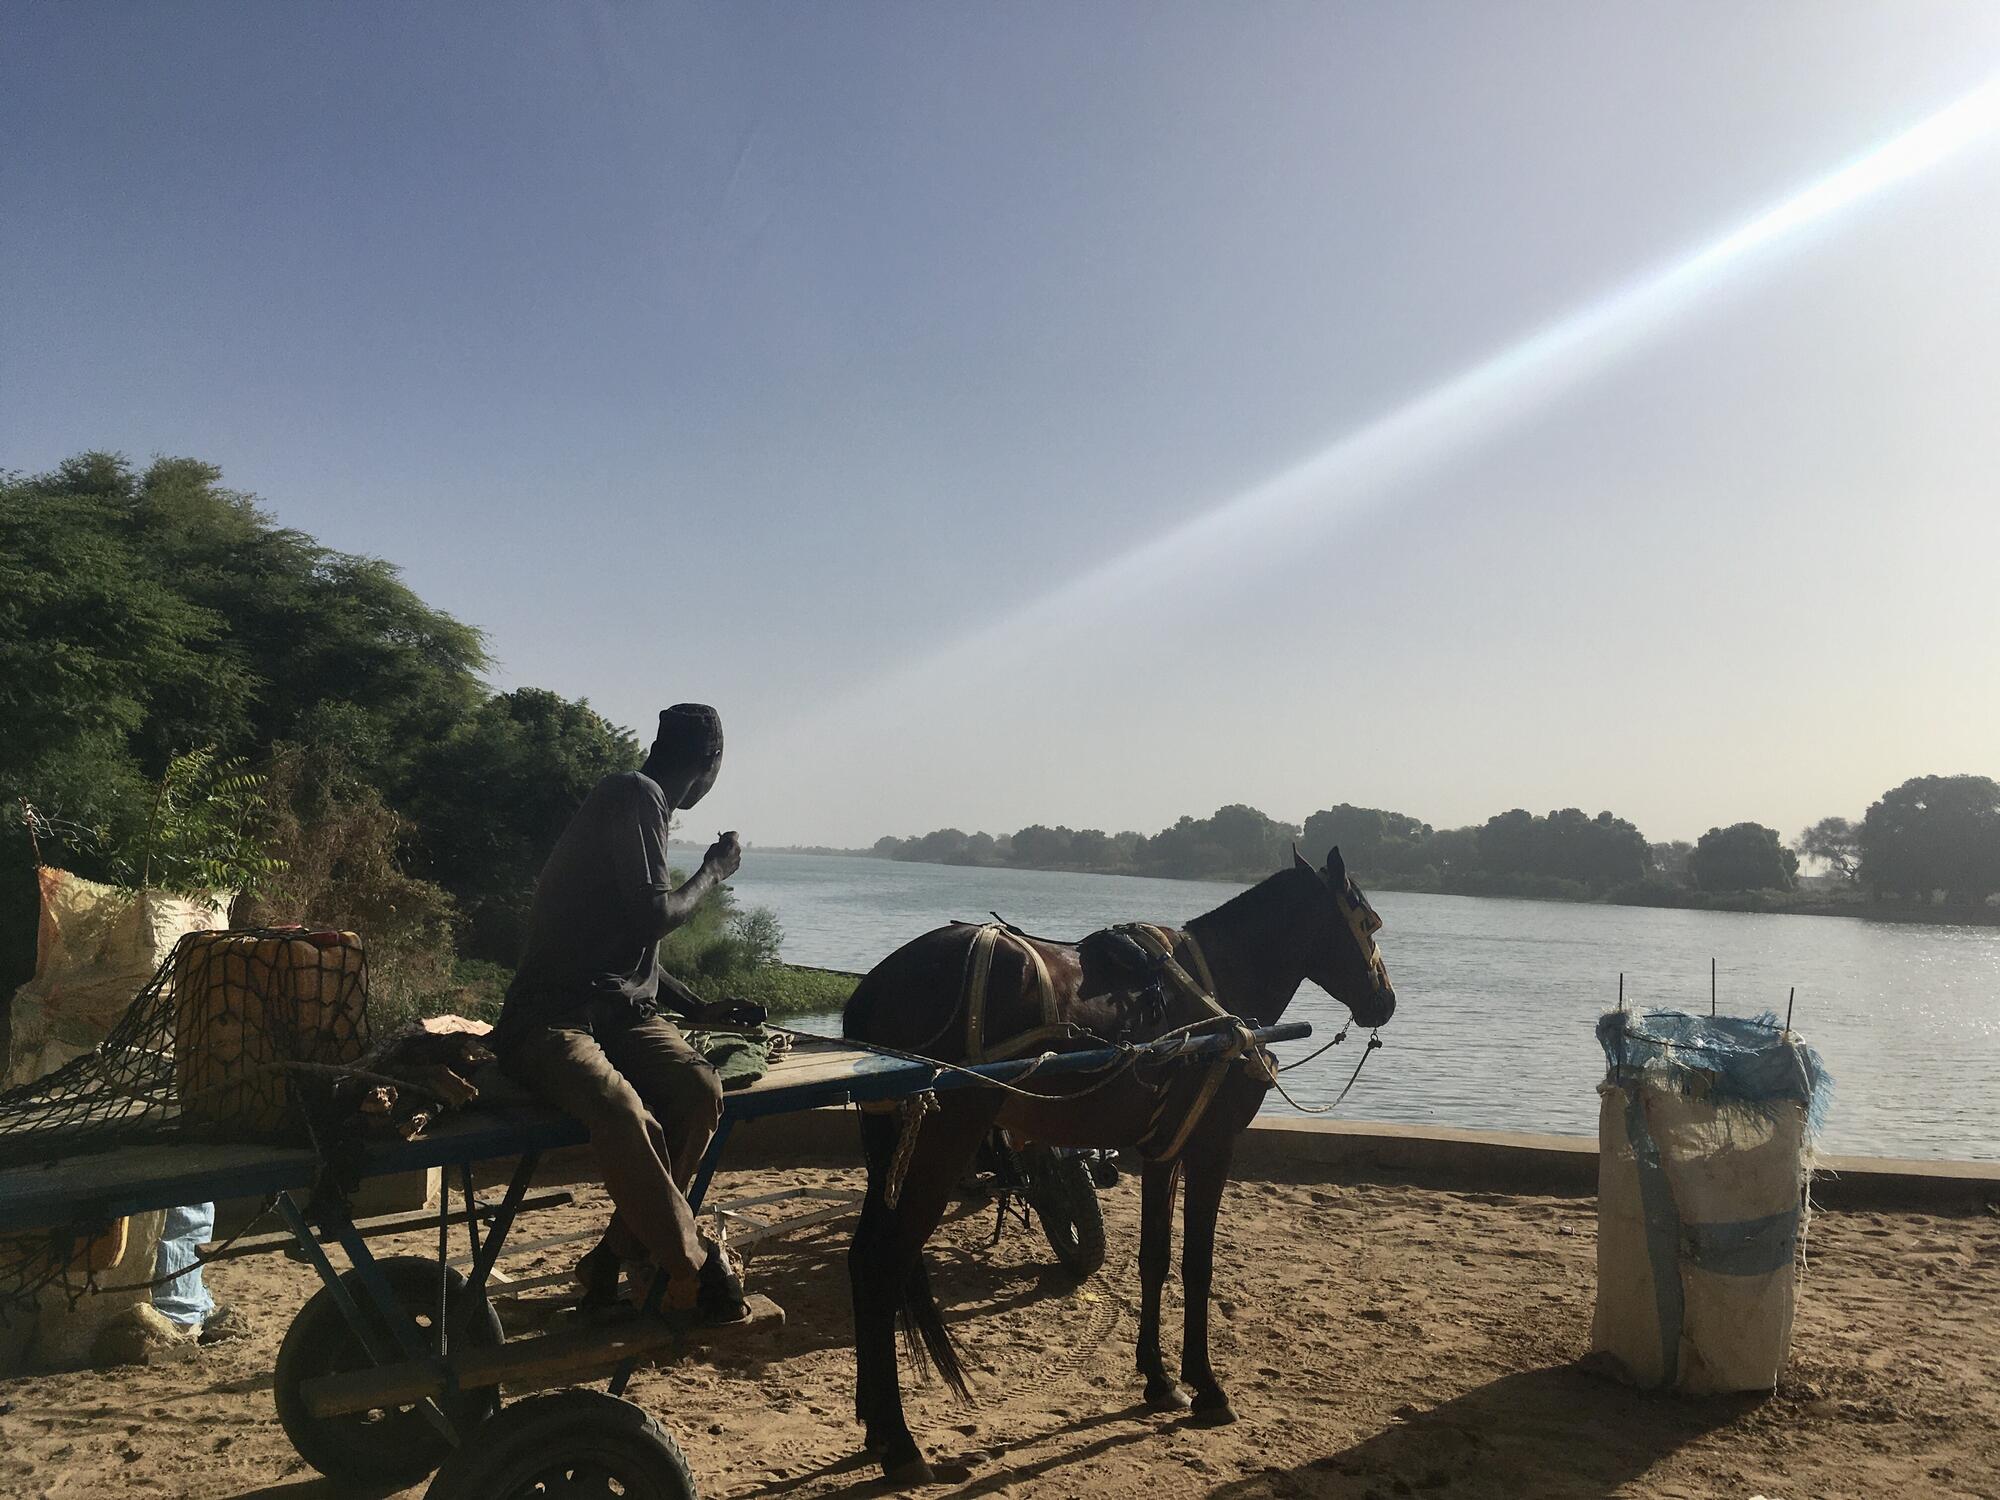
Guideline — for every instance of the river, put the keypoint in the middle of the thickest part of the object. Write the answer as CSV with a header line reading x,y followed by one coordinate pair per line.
x,y
1497,999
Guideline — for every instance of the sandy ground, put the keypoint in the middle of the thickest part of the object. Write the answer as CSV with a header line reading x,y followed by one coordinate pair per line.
x,y
1378,1341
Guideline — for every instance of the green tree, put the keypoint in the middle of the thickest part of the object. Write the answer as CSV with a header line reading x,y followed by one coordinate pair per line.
x,y
942,846
1835,843
1742,857
1039,848
104,670
1671,858
100,656
1510,843
1372,841
1091,849
1251,843
337,851
489,801
1453,853
1566,846
1934,833
145,612
1181,852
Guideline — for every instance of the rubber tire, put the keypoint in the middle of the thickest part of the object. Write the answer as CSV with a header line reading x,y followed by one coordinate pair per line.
x,y
394,1447
1065,1200
567,1443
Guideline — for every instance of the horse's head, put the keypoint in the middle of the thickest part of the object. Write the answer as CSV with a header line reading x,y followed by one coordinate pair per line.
x,y
1342,958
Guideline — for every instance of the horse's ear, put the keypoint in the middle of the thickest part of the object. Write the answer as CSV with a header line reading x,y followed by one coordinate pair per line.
x,y
1336,868
1300,860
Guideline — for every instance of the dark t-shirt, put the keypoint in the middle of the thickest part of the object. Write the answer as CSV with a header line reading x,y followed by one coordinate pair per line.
x,y
599,910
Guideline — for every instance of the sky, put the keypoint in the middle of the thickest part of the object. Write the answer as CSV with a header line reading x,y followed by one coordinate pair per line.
x,y
1091,413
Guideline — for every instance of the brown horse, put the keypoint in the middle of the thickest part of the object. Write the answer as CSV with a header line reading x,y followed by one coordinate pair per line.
x,y
958,996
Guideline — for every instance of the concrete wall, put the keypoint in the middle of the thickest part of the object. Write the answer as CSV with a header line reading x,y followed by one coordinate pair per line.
x,y
1492,1161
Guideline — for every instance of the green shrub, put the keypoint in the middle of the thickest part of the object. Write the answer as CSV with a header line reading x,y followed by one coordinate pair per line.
x,y
721,947
787,991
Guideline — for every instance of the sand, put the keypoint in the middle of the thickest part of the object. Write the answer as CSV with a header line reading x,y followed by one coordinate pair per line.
x,y
1378,1341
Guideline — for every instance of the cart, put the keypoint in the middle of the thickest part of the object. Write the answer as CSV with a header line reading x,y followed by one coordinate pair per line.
x,y
394,1368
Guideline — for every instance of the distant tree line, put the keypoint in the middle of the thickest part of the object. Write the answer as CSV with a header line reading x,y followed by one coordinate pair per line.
x,y
1932,840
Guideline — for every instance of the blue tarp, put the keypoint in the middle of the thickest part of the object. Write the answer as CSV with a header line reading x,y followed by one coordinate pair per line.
x,y
1748,1060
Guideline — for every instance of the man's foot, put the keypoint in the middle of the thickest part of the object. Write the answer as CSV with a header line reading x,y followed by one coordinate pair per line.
x,y
225,1321
719,1289
713,1298
597,1280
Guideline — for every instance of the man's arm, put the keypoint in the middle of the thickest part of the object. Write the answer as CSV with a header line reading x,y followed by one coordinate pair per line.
x,y
669,908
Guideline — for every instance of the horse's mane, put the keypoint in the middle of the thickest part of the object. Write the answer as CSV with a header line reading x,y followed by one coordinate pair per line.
x,y
1253,902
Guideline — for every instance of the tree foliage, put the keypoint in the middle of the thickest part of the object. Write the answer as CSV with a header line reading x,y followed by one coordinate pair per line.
x,y
1569,846
147,615
1742,857
1370,839
338,847
1934,834
489,799
1835,843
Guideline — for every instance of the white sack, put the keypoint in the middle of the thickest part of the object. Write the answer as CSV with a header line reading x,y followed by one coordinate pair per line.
x,y
96,948
1701,1213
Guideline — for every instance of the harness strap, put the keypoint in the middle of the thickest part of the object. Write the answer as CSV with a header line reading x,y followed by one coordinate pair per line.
x,y
1211,1084
1159,943
978,980
979,973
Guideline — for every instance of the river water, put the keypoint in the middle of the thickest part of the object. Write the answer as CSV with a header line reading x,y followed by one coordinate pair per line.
x,y
1497,999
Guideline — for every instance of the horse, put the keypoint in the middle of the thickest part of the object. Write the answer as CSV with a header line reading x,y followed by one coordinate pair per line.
x,y
967,993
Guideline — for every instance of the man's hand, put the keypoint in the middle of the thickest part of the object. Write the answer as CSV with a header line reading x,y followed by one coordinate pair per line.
x,y
674,907
728,1011
724,856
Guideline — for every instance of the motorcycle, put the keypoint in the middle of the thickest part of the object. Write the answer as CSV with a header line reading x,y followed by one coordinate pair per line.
x,y
1055,1185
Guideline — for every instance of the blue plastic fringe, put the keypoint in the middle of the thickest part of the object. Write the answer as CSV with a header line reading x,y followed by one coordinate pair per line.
x,y
1752,1061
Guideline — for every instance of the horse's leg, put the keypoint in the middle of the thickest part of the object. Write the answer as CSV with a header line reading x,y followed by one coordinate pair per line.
x,y
1156,1229
874,1313
1206,1160
886,1271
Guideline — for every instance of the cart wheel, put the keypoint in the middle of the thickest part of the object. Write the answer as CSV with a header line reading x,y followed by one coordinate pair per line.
x,y
1065,1200
391,1445
571,1445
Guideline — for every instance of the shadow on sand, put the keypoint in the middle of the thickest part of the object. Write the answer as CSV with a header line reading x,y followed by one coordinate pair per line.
x,y
314,1488
1556,1434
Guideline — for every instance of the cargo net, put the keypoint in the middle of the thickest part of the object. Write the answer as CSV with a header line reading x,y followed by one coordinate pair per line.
x,y
228,1039
238,1035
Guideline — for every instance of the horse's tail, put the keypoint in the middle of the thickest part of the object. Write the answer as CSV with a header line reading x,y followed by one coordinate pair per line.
x,y
924,1332
929,1341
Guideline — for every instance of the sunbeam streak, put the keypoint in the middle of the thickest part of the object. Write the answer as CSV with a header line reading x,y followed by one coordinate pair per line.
x,y
1362,466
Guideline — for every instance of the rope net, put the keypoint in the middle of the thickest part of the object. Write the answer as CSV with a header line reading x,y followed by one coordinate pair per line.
x,y
238,1035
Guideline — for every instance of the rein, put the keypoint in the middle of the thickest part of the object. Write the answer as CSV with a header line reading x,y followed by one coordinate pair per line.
x,y
1271,1074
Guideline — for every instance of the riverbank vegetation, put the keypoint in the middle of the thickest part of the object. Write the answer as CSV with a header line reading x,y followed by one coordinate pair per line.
x,y
195,696
1927,850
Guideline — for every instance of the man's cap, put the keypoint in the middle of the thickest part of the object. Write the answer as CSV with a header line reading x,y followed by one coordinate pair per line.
x,y
689,732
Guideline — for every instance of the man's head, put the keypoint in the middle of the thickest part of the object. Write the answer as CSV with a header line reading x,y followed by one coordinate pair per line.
x,y
687,752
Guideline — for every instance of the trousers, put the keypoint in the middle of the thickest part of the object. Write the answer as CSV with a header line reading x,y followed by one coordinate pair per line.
x,y
184,1299
651,1104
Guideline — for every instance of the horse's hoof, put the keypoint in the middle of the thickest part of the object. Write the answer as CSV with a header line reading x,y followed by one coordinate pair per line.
x,y
1165,1396
908,1474
1211,1410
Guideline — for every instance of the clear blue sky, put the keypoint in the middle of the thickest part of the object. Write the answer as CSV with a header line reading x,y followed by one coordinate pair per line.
x,y
822,361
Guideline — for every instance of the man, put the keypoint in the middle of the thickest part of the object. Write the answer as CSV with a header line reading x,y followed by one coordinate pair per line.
x,y
184,1300
582,1026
